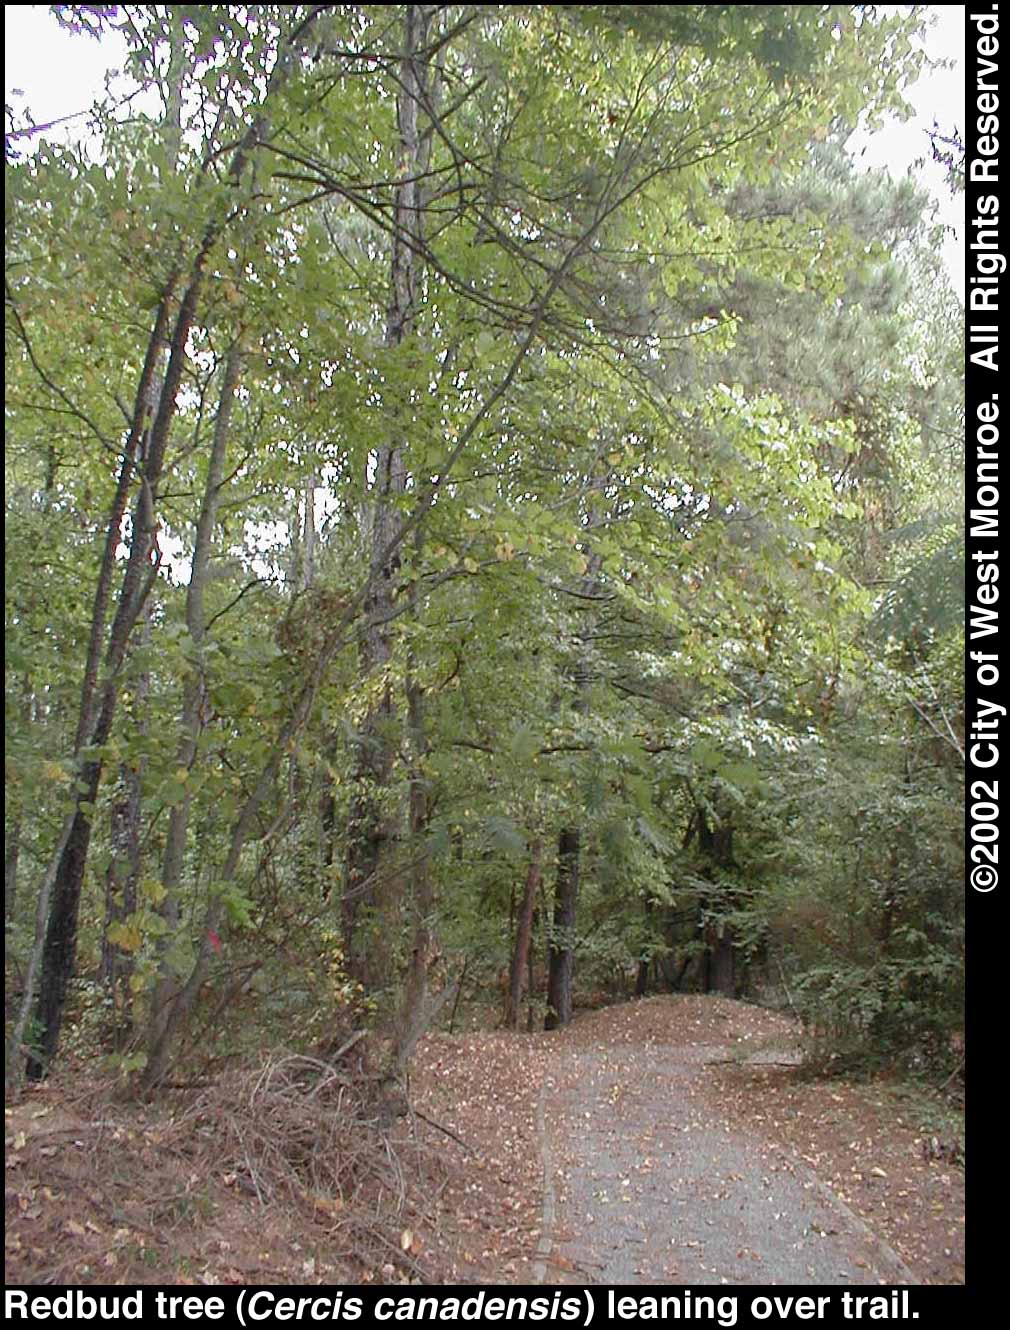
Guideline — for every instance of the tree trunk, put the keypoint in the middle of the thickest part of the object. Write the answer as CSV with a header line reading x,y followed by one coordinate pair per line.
x,y
721,970
413,1015
60,944
370,828
716,844
121,879
524,934
149,436
58,901
561,953
123,873
642,978
530,988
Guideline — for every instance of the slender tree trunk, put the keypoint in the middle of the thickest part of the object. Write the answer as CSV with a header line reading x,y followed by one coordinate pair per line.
x,y
530,977
561,954
309,537
149,436
60,943
144,411
123,873
57,902
328,835
642,978
15,809
370,826
413,1015
524,935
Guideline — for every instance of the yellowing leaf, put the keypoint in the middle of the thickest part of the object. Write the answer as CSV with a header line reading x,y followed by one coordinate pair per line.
x,y
153,891
126,936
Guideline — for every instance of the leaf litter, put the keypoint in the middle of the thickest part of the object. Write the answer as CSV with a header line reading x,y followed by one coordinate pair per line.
x,y
283,1171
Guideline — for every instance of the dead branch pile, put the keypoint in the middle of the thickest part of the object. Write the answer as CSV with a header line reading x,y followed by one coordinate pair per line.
x,y
102,1187
298,1133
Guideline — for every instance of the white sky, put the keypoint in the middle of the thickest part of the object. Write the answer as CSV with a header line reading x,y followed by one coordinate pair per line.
x,y
57,74
938,95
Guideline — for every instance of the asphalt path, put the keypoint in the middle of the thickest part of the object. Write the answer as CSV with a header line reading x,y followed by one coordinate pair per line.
x,y
646,1183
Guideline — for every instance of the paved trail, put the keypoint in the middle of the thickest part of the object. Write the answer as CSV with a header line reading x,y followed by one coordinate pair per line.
x,y
647,1185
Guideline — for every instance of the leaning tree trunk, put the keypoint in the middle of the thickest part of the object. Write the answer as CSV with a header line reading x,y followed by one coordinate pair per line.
x,y
60,945
51,958
60,892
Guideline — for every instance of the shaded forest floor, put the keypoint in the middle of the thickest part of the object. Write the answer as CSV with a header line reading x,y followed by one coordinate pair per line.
x,y
278,1174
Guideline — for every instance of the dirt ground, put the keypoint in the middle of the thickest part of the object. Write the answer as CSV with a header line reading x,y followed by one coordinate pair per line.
x,y
275,1175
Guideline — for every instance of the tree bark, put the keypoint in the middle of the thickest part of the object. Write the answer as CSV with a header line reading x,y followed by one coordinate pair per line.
x,y
149,433
370,825
524,935
121,879
642,978
60,944
561,953
413,1015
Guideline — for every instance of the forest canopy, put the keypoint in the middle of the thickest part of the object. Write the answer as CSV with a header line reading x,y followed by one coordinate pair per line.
x,y
483,525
